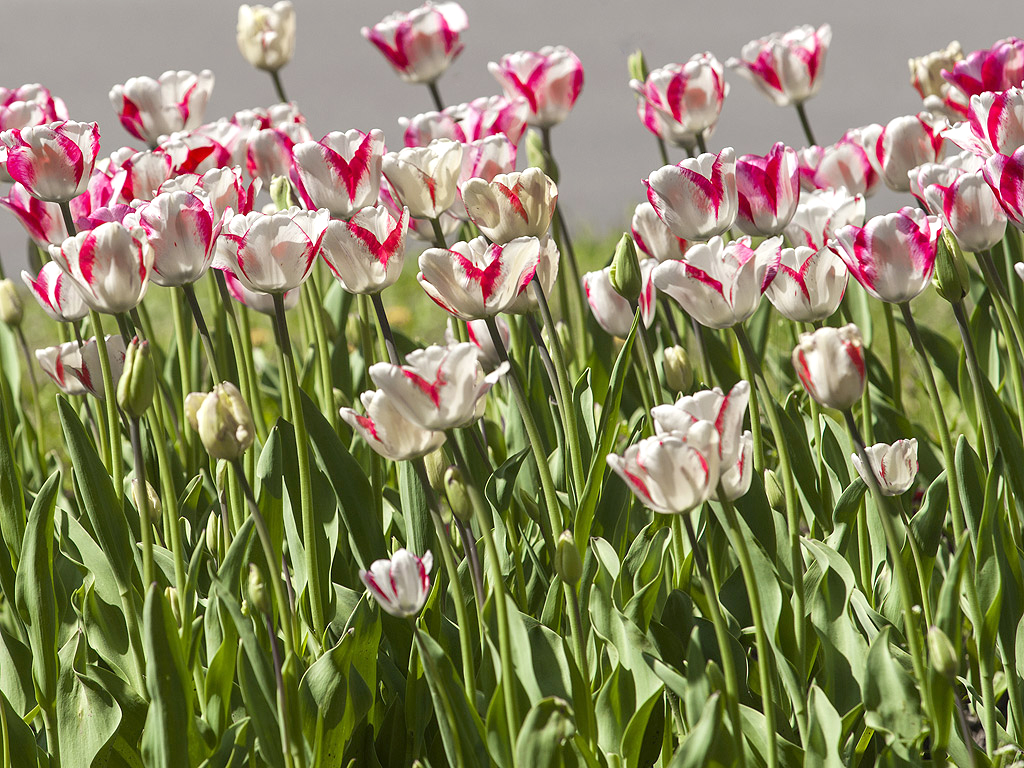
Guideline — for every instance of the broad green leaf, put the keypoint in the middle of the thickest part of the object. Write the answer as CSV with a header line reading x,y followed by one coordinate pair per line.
x,y
21,741
502,481
891,700
702,747
825,731
87,715
419,528
12,497
548,726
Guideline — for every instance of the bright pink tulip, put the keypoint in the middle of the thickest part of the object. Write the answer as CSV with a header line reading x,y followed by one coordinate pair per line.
x,y
341,172
809,285
257,300
549,79
902,145
76,369
653,237
969,208
820,213
202,152
43,221
111,265
843,164
399,585
27,105
892,256
786,67
697,199
830,364
57,294
100,193
995,124
422,43
472,121
991,69
274,253
366,253
182,230
1005,174
53,161
680,102
151,108
614,313
388,432
769,190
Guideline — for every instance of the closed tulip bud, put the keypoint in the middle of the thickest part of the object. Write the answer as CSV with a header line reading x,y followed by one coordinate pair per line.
x,y
772,489
678,370
458,496
222,420
213,535
266,35
568,565
531,507
258,597
171,595
150,499
951,278
636,63
11,309
942,654
436,464
281,193
138,380
538,157
625,270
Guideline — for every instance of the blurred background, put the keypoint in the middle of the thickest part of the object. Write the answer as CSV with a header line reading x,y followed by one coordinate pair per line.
x,y
80,49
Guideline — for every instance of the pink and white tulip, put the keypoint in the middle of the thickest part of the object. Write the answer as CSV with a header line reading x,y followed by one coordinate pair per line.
x,y
926,71
902,145
480,335
57,294
720,285
822,212
969,208
399,585
76,369
43,221
422,43
893,255
224,187
28,105
679,102
549,79
830,364
438,388
994,125
366,253
138,175
614,313
150,108
894,466
545,276
843,164
182,229
53,161
425,178
769,190
257,301
995,69
511,205
273,253
786,67
653,237
697,198
268,151
486,158
809,285
388,432
474,120
1005,174
474,279
111,264
341,172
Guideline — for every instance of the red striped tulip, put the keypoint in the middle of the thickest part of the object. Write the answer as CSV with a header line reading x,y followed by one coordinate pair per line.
x,y
366,253
769,190
57,294
76,369
822,212
511,205
111,265
843,164
43,221
182,229
27,105
549,79
809,284
424,178
991,69
399,585
150,108
422,43
341,172
1005,174
902,145
53,161
697,199
388,432
787,67
614,313
679,102
830,365
994,125
894,466
969,208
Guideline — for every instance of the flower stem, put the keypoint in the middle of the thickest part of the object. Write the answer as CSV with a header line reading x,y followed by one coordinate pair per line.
x,y
116,467
238,327
169,499
204,332
894,359
36,409
278,85
435,94
1011,329
652,369
974,370
181,342
311,295
805,123
439,241
701,142
142,498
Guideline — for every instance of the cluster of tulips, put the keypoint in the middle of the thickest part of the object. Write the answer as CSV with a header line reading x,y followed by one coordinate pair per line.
x,y
222,595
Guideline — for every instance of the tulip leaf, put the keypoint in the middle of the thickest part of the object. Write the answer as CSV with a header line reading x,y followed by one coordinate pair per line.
x,y
547,728
88,716
419,528
702,746
892,702
12,496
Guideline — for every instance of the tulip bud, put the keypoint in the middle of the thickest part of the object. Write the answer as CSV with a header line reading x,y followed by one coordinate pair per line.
x,y
151,499
772,489
637,65
458,496
625,271
942,653
258,597
951,278
171,595
538,156
11,309
436,464
532,510
222,420
568,565
137,384
281,193
678,371
213,534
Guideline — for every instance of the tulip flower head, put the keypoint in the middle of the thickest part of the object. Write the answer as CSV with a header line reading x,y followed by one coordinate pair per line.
x,y
843,164
341,172
903,144
787,68
679,102
224,187
53,161
697,198
994,125
422,43
388,432
399,585
968,207
366,253
223,420
57,294
809,285
652,236
151,108
545,275
830,364
182,229
43,221
926,71
76,369
480,335
110,264
769,190
1005,174
424,178
614,313
511,205
821,213
549,79
991,69
894,466
266,35
29,104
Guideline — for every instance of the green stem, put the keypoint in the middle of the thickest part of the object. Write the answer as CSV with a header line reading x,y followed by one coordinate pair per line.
x,y
50,726
290,754
36,409
310,530
183,348
974,370
110,402
652,369
746,371
278,85
169,500
241,343
1011,330
895,359
142,497
204,332
323,352
662,150
439,241
701,142
435,94
805,123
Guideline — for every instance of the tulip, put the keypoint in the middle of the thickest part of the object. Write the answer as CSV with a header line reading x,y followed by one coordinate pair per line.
x,y
268,151
421,229
341,172
111,265
151,108
485,159
480,335
992,69
489,116
438,388
137,384
809,284
424,178
893,255
53,161
52,361
422,43
389,433
28,105
367,252
970,209
653,237
421,129
904,143
399,585
786,67
678,370
894,466
697,198
1005,174
474,280
256,300
822,212
679,102
614,313
76,369
546,274
549,79
994,125
43,221
926,71
224,187
202,151
768,188
830,365
843,164
274,253
511,205
720,285
223,420
671,474
266,36
182,230
138,175
57,294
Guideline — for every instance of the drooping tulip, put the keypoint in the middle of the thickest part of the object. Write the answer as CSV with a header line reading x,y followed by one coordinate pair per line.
x,y
150,108
76,369
399,585
341,172
111,265
366,252
894,466
786,67
266,35
58,295
53,161
653,237
697,198
679,102
769,190
388,432
43,221
422,43
830,364
549,79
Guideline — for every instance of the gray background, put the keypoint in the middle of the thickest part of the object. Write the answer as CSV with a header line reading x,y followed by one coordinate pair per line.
x,y
79,49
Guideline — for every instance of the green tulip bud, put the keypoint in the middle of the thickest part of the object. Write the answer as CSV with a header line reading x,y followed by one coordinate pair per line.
x,y
942,654
568,565
258,597
537,156
137,384
951,278
678,371
776,497
436,464
11,308
152,501
458,495
223,421
171,595
213,534
281,193
625,274
637,65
